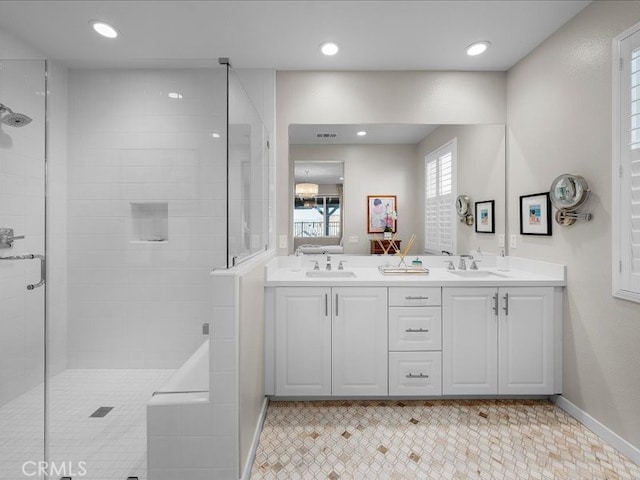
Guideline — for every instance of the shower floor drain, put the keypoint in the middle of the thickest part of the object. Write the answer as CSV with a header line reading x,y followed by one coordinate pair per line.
x,y
101,412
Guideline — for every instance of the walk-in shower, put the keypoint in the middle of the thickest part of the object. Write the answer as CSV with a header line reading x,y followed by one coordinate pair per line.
x,y
13,119
121,181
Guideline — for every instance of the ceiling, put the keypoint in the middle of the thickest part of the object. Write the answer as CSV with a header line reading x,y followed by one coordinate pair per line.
x,y
285,35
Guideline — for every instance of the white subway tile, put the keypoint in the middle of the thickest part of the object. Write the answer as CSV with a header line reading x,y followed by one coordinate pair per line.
x,y
164,421
198,420
164,452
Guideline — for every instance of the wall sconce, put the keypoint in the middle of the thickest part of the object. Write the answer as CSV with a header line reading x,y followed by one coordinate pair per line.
x,y
568,193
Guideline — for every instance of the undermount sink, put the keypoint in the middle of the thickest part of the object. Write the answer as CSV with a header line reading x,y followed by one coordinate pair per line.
x,y
475,273
330,273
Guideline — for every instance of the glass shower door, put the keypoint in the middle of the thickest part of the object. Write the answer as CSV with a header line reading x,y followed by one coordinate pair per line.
x,y
22,248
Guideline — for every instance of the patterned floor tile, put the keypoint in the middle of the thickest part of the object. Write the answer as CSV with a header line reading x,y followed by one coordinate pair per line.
x,y
453,440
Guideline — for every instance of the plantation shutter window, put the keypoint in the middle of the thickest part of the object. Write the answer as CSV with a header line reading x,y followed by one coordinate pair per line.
x,y
439,196
626,167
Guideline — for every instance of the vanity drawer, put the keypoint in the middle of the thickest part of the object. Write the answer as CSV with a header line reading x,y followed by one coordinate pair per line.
x,y
417,328
414,296
415,373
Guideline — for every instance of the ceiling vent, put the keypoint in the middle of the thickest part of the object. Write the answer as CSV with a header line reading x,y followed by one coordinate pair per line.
x,y
326,135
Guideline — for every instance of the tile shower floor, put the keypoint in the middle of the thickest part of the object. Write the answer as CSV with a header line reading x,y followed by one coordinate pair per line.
x,y
113,447
472,439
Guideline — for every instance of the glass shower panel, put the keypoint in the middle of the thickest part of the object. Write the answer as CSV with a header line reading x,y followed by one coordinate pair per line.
x,y
248,176
22,249
145,189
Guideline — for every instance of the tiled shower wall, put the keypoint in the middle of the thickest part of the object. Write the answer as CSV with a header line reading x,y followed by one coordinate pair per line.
x,y
139,301
22,208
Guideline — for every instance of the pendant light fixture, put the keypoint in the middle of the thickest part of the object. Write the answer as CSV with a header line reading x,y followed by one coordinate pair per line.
x,y
306,190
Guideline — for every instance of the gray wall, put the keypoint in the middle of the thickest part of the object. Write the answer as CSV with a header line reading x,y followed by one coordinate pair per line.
x,y
559,119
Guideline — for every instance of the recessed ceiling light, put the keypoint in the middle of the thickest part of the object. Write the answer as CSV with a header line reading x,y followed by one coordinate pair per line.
x,y
361,133
477,48
329,48
104,29
215,135
175,95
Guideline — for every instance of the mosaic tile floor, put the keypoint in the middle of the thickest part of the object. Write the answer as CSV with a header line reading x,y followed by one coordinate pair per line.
x,y
404,440
113,447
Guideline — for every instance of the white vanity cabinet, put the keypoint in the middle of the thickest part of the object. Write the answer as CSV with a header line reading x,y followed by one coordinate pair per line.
x,y
359,340
330,341
415,341
303,341
498,340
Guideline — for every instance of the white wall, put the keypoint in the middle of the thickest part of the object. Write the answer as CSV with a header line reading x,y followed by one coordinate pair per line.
x,y
137,304
559,119
378,97
370,170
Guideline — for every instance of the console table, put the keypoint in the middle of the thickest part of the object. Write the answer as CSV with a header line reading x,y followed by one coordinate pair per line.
x,y
377,249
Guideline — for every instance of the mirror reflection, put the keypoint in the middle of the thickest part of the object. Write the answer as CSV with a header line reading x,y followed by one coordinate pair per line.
x,y
425,166
317,206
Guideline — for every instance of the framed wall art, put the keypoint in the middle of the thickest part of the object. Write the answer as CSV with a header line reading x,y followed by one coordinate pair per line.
x,y
485,221
381,213
535,214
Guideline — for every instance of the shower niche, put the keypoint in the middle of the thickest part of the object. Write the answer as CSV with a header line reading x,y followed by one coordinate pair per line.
x,y
149,222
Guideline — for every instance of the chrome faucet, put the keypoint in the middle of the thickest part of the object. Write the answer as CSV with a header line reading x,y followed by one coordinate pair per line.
x,y
462,265
474,265
328,266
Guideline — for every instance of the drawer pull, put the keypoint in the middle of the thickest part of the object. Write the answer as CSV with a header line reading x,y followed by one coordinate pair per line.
x,y
420,375
416,298
417,330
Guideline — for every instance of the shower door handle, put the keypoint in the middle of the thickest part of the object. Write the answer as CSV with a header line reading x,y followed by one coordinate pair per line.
x,y
32,256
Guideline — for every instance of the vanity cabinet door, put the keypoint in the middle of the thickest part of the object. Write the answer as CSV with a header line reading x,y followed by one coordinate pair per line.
x,y
525,339
359,334
303,341
469,341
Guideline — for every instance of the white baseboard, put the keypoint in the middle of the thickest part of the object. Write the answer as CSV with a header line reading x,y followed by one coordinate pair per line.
x,y
256,439
604,432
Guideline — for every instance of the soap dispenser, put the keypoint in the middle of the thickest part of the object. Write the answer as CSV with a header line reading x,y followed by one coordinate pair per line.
x,y
502,262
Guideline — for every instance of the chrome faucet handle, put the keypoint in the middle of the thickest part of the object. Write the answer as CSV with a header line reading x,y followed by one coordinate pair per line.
x,y
450,265
462,265
474,265
316,266
340,265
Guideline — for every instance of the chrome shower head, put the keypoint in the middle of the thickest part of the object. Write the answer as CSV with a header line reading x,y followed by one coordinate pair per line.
x,y
13,119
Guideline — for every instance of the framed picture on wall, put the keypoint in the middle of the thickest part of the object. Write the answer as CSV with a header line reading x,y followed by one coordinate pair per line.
x,y
381,213
485,221
535,214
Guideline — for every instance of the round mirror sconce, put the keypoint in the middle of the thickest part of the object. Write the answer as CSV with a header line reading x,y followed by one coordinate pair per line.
x,y
568,193
463,208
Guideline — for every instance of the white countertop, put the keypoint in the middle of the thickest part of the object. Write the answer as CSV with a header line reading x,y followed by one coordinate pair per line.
x,y
285,271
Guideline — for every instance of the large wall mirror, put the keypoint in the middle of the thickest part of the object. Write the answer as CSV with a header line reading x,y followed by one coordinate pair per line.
x,y
424,166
